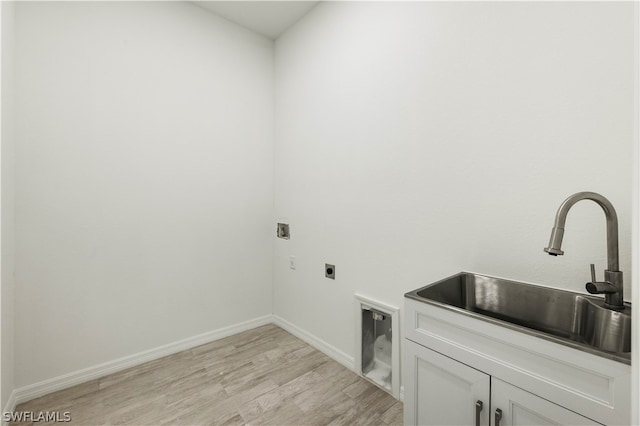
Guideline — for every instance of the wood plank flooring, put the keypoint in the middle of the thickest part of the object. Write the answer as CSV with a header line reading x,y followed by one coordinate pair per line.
x,y
263,376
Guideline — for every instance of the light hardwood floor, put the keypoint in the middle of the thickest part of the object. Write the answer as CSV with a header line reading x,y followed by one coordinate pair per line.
x,y
263,376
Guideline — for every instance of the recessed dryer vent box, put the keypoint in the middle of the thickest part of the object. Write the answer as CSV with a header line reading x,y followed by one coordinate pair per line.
x,y
378,348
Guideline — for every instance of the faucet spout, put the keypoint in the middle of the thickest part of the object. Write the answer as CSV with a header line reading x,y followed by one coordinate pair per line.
x,y
555,242
612,288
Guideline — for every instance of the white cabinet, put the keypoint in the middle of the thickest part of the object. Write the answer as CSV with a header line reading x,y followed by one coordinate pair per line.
x,y
451,361
443,391
518,407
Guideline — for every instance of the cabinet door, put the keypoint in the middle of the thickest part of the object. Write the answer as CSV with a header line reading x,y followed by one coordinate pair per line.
x,y
442,391
519,407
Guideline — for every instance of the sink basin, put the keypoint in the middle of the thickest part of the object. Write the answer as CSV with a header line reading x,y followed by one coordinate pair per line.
x,y
572,319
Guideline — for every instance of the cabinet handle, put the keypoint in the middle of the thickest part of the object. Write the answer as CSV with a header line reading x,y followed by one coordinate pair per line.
x,y
498,417
478,410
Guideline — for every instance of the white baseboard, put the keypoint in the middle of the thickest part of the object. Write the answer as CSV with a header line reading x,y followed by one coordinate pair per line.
x,y
11,404
29,392
314,341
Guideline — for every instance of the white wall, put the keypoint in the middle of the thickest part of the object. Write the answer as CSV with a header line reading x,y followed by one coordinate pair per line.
x,y
144,161
416,140
7,228
413,140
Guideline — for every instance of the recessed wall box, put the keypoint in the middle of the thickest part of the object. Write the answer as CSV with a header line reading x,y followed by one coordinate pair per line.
x,y
330,271
283,231
377,356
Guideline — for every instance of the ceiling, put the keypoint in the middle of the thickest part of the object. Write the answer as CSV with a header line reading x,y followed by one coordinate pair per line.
x,y
269,18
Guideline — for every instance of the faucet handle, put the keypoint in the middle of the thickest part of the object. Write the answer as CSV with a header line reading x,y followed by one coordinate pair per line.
x,y
599,287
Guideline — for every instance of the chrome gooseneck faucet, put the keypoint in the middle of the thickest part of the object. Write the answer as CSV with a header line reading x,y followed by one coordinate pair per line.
x,y
611,287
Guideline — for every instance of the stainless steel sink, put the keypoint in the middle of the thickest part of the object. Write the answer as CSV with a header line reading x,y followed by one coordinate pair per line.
x,y
572,319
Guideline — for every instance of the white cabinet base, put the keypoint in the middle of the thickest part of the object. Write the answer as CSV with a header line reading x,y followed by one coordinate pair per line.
x,y
572,380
